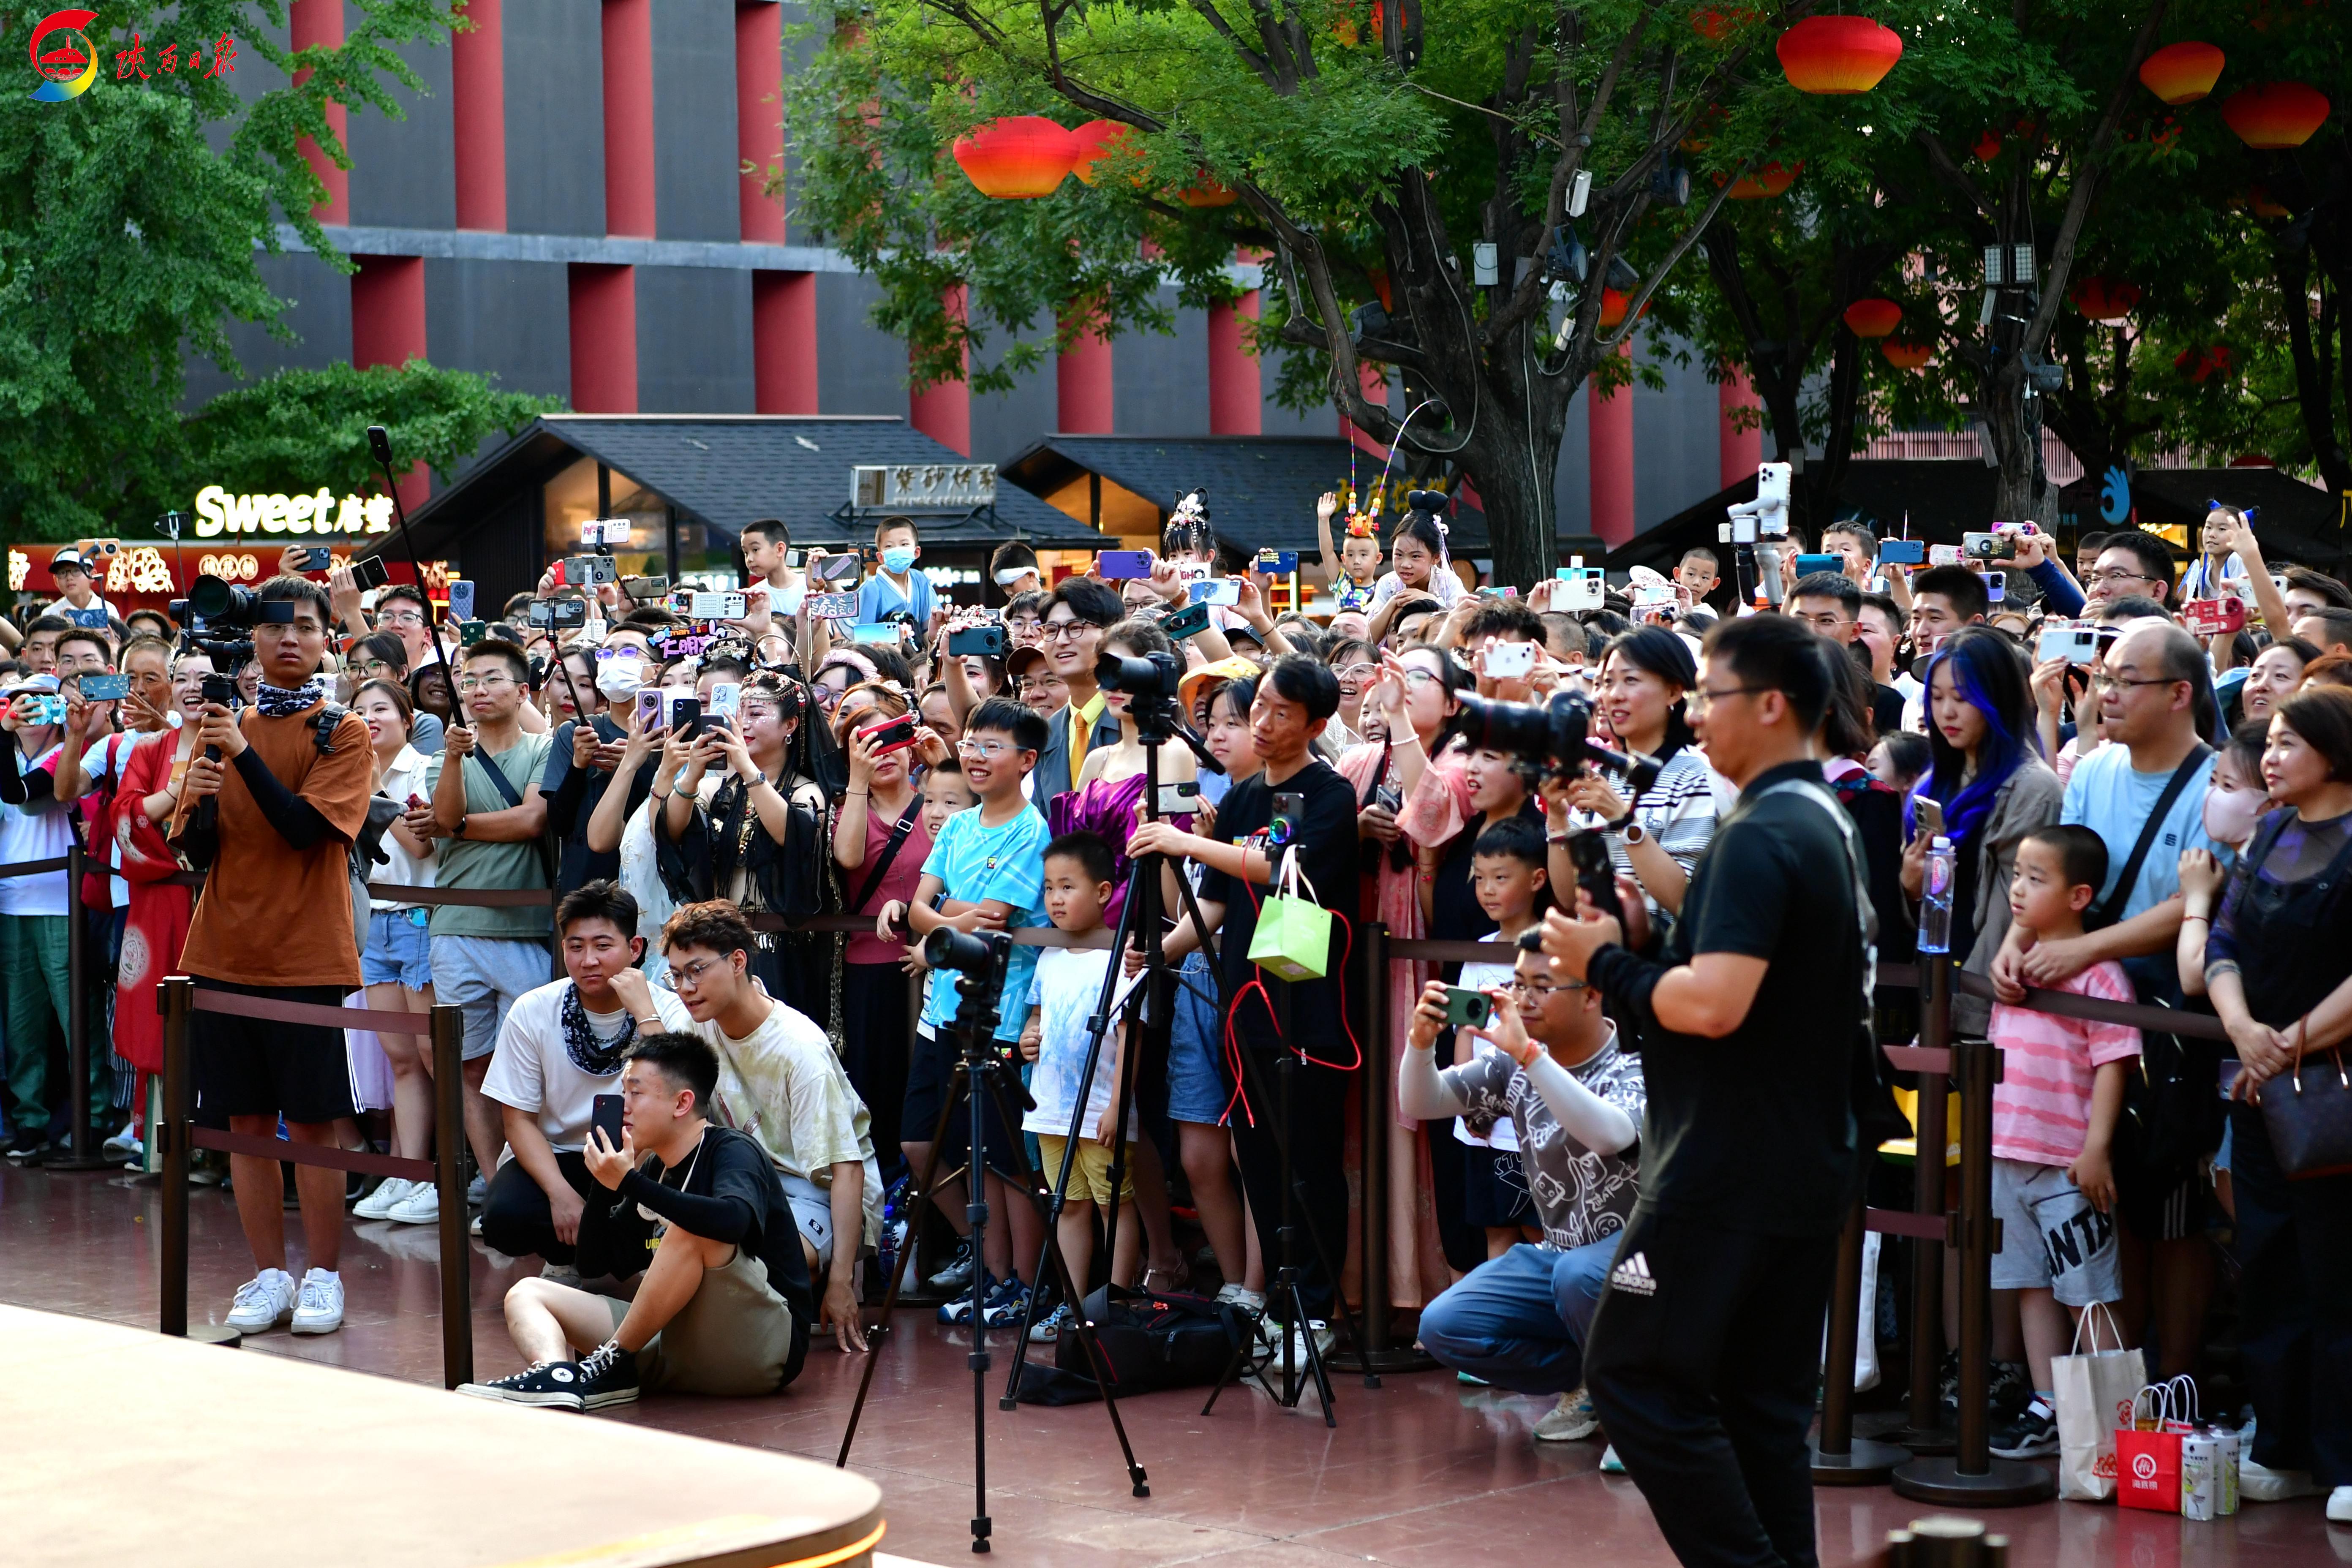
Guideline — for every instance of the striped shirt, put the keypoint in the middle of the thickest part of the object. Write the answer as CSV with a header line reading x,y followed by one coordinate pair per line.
x,y
1678,811
2041,1106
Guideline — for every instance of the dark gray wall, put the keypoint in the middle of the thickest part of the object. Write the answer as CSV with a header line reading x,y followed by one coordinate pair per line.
x,y
555,116
1160,384
859,369
1274,419
404,171
694,121
1677,445
1004,423
318,311
694,341
511,319
1573,481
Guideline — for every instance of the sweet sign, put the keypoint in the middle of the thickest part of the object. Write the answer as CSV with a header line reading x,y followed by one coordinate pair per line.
x,y
218,512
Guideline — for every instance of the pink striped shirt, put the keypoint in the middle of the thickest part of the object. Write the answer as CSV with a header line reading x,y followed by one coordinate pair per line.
x,y
2041,1106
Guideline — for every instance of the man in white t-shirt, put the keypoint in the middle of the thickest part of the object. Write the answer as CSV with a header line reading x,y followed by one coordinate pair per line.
x,y
561,1047
34,826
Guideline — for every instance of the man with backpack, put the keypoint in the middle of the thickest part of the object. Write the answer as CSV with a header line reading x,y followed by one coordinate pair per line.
x,y
486,812
288,780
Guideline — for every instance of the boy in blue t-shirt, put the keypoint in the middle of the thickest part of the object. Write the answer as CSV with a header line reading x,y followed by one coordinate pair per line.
x,y
986,871
896,585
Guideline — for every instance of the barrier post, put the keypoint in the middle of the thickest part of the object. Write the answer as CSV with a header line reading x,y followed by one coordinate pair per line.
x,y
1971,1476
176,994
1379,1113
1925,1432
82,1151
449,1031
1840,1459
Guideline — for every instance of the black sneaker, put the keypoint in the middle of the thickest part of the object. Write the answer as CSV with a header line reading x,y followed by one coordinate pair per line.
x,y
27,1148
2011,1387
555,1384
2031,1435
608,1375
957,1275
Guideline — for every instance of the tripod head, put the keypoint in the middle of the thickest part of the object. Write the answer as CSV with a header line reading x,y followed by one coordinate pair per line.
x,y
982,958
1151,684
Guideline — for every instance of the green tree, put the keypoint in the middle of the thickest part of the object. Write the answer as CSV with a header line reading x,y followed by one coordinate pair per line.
x,y
1368,155
131,216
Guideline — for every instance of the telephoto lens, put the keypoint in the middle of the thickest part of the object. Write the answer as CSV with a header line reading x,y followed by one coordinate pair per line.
x,y
948,948
1153,675
222,603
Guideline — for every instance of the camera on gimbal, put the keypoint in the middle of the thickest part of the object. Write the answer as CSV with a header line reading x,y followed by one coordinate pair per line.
x,y
220,617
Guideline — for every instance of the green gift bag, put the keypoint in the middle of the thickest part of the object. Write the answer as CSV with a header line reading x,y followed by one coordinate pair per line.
x,y
1294,934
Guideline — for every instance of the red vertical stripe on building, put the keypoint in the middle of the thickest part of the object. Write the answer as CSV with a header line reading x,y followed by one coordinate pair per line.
x,y
319,22
628,119
1083,401
388,328
478,113
758,116
944,413
783,342
1611,461
603,339
1237,406
1741,449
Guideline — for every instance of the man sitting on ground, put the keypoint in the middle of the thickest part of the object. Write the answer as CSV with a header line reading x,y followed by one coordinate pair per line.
x,y
561,1047
723,1306
1519,1321
779,1082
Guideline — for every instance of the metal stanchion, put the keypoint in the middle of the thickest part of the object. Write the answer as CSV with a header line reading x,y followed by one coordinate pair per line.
x,y
1840,1458
176,999
1377,1115
1971,1476
448,1028
1925,1432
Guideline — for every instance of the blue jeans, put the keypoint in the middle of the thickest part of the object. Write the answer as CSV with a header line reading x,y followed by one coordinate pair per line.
x,y
1520,1320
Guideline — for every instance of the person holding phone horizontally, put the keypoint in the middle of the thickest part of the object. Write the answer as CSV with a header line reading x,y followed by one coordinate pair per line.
x,y
561,1048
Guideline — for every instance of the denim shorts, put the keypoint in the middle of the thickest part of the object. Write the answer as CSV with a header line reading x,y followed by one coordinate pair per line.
x,y
1197,1089
484,975
398,953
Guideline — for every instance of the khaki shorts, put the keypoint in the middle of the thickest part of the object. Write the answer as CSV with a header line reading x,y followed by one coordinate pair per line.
x,y
734,1337
1090,1178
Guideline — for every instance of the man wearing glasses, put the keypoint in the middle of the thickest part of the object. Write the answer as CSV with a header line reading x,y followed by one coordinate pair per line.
x,y
488,814
1520,1320
2130,563
401,610
1706,1349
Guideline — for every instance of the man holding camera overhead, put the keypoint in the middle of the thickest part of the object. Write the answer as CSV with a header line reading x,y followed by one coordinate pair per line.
x,y
288,793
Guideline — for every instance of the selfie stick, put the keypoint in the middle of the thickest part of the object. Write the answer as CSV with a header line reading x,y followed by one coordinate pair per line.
x,y
380,444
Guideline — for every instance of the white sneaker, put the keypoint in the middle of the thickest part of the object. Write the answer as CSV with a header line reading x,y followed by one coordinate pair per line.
x,y
1248,1301
378,1205
2260,1483
1571,1420
319,1308
2339,1506
420,1205
262,1303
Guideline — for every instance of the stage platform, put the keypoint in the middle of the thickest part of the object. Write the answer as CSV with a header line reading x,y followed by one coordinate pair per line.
x,y
1421,1473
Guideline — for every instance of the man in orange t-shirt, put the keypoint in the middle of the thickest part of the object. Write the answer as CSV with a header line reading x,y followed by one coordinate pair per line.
x,y
275,922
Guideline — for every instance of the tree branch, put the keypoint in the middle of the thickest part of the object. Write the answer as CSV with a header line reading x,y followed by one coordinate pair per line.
x,y
2086,184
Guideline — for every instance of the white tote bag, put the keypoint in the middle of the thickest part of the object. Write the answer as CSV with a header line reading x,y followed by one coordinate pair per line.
x,y
2095,1393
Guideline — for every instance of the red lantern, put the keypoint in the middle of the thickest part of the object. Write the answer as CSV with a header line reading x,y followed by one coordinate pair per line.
x,y
1872,318
2200,364
1987,147
1016,158
1907,356
1715,25
1769,181
1091,140
2181,73
2275,115
1836,54
1612,308
2103,301
1205,191
2260,200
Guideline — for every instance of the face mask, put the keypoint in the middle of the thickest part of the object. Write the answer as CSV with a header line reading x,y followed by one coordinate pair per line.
x,y
896,560
2231,814
618,678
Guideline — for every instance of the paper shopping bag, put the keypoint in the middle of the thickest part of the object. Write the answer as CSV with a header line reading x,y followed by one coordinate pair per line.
x,y
2095,1391
2147,1455
1294,934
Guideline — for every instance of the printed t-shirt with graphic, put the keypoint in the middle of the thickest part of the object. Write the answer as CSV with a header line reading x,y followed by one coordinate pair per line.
x,y
532,1070
2041,1106
782,1084
1503,1133
1005,864
1580,1196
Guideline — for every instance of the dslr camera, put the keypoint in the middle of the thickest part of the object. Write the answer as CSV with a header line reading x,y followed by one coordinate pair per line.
x,y
1555,735
220,616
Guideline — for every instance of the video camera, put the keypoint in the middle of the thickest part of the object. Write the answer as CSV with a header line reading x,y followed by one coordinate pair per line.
x,y
220,617
1557,734
1150,684
982,958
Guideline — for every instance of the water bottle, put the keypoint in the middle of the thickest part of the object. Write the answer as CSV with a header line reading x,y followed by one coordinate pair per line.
x,y
1936,908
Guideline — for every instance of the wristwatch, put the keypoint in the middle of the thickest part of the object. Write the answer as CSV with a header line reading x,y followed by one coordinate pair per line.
x,y
461,827
1625,825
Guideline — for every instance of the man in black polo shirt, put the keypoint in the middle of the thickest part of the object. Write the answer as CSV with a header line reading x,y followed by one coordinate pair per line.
x,y
1706,1348
1295,700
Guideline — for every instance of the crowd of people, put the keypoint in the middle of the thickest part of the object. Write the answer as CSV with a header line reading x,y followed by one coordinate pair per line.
x,y
2035,760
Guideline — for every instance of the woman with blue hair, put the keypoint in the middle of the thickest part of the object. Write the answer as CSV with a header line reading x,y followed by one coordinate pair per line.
x,y
1987,778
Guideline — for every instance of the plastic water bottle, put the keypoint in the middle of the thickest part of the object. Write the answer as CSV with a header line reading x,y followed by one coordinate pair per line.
x,y
1936,908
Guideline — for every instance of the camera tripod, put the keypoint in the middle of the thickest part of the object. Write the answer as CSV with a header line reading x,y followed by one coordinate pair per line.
x,y
983,1077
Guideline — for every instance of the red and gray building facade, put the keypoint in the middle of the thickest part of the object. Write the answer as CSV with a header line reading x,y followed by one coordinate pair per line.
x,y
563,208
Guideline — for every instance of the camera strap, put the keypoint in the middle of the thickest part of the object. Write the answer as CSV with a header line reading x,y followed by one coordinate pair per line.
x,y
513,797
2111,907
889,853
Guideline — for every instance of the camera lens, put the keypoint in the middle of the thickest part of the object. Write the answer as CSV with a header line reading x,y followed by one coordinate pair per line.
x,y
948,948
212,597
1152,676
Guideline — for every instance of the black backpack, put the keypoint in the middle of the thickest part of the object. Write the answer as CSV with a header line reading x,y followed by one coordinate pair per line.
x,y
1169,1339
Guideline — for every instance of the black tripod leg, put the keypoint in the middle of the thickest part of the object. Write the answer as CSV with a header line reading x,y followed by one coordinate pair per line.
x,y
1052,1253
923,1201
